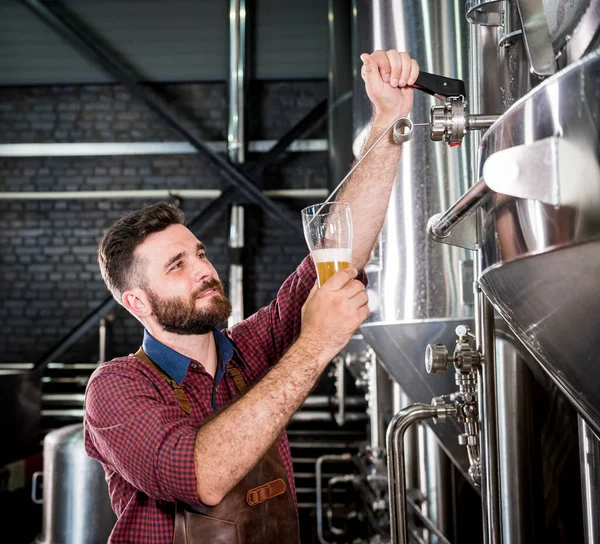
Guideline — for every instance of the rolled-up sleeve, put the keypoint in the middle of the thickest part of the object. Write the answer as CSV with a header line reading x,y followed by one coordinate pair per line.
x,y
136,432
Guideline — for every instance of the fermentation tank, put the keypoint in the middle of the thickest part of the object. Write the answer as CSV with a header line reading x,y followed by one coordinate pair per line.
x,y
419,291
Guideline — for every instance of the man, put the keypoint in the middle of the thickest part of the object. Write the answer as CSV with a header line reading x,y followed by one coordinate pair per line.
x,y
190,429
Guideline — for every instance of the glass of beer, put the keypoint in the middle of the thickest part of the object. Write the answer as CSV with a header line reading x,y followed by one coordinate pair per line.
x,y
328,233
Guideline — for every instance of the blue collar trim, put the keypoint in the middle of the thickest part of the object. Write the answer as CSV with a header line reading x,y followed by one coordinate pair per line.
x,y
176,365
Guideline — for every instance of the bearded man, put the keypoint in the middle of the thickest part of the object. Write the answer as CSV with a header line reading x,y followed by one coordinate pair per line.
x,y
190,429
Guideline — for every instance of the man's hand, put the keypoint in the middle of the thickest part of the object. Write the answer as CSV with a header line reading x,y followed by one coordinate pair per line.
x,y
386,75
331,314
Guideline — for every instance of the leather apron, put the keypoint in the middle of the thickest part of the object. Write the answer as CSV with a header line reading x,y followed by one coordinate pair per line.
x,y
260,509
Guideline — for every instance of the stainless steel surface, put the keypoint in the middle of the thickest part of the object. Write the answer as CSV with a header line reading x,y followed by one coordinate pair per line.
x,y
490,477
589,455
484,12
532,251
564,22
450,122
521,491
586,30
537,37
236,269
481,121
76,507
95,149
411,446
102,340
395,463
20,405
440,226
403,130
438,494
236,141
397,346
324,401
344,457
437,537
414,283
376,441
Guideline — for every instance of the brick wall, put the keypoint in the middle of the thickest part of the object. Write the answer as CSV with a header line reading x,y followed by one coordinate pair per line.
x,y
49,279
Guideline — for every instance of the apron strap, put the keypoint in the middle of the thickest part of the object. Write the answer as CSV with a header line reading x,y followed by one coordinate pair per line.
x,y
178,390
236,375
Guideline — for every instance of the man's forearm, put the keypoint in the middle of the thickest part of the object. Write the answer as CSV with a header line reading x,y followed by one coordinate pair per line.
x,y
368,191
232,443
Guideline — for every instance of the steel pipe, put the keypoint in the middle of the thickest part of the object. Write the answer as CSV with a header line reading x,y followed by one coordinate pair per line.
x,y
490,469
440,226
344,457
195,194
589,456
395,461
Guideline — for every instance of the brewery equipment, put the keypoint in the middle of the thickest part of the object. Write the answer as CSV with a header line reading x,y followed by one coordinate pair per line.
x,y
496,241
76,504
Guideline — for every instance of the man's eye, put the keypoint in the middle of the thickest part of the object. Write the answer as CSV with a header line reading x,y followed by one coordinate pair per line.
x,y
176,266
202,255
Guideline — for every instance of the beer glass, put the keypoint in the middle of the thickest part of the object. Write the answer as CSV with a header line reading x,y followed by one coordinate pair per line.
x,y
328,233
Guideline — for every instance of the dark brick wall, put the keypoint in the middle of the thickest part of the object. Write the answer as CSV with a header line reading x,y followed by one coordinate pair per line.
x,y
49,279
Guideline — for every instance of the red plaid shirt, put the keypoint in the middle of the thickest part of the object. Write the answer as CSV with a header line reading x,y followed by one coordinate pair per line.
x,y
136,428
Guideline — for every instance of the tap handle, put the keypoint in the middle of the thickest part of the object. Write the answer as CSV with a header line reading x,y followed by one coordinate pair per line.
x,y
440,86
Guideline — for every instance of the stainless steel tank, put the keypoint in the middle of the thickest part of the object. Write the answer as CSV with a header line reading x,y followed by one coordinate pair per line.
x,y
541,233
76,507
419,290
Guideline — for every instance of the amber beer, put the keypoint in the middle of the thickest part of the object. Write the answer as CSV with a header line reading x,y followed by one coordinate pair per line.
x,y
329,261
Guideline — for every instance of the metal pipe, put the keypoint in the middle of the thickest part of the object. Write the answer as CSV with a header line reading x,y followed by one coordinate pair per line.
x,y
102,341
521,493
395,461
345,457
344,479
236,267
237,72
490,478
411,446
480,121
324,401
437,490
189,194
326,416
427,522
271,149
589,457
440,226
374,414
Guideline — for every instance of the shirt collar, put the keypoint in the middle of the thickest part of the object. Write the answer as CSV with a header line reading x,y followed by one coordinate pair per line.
x,y
176,365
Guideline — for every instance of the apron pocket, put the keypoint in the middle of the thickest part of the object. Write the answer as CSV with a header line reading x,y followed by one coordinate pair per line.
x,y
201,529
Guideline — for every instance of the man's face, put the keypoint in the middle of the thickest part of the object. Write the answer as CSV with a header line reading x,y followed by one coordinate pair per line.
x,y
183,289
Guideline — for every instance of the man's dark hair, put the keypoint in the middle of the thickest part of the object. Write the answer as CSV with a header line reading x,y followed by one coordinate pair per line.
x,y
116,253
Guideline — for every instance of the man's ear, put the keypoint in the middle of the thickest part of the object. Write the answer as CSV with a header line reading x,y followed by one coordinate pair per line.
x,y
136,301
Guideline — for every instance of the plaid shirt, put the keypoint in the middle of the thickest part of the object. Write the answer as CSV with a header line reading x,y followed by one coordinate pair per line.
x,y
136,428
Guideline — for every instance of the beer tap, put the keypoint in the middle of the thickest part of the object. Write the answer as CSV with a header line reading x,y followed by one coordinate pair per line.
x,y
450,122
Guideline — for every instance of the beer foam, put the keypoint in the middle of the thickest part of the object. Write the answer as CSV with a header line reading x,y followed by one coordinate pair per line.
x,y
332,255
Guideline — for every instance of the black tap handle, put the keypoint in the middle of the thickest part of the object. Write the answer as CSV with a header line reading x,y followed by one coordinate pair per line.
x,y
440,85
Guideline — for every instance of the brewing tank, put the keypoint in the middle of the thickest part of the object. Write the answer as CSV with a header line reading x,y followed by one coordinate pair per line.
x,y
77,507
419,290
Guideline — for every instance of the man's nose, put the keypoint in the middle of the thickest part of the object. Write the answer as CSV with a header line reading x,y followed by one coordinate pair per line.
x,y
201,272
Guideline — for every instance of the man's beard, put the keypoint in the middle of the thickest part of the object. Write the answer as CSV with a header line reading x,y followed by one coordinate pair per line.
x,y
181,316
